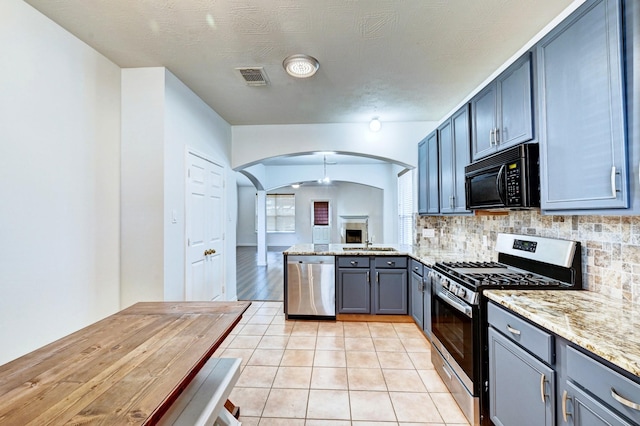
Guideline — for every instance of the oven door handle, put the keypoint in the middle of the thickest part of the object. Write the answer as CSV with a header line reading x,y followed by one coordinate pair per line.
x,y
455,304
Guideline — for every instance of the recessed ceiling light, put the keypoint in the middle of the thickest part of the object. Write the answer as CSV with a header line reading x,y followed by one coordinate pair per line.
x,y
300,66
375,125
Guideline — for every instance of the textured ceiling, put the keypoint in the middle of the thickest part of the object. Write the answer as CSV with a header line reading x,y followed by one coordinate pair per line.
x,y
401,60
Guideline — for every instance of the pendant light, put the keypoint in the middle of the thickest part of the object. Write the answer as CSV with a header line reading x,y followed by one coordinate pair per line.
x,y
326,179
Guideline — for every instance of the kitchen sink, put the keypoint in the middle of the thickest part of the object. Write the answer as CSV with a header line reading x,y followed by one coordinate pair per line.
x,y
369,248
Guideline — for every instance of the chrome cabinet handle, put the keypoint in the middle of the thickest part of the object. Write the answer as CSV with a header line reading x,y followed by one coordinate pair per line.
x,y
496,132
613,181
353,263
564,406
377,277
368,278
624,401
542,380
390,263
513,330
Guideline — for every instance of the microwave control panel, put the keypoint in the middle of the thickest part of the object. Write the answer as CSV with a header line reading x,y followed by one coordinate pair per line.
x,y
513,176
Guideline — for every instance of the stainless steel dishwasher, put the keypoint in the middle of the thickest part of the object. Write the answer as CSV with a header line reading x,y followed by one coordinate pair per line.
x,y
310,289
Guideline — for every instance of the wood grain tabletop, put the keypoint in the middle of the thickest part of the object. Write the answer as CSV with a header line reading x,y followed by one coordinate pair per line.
x,y
126,369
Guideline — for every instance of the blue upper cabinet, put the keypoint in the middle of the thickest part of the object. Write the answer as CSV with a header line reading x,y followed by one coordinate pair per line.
x,y
453,137
583,146
502,113
428,175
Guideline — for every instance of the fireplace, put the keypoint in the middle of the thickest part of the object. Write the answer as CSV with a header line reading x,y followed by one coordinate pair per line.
x,y
353,236
354,229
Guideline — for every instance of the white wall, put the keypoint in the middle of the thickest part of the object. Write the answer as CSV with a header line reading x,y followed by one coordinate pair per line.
x,y
190,123
142,188
162,119
394,141
246,229
345,199
59,182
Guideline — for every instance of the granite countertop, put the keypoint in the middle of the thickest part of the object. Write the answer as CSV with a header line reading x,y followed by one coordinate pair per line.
x,y
607,327
422,254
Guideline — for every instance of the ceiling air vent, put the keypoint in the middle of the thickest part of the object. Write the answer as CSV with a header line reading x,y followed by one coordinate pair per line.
x,y
254,76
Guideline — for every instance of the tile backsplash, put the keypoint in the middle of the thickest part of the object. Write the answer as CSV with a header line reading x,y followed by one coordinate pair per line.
x,y
610,244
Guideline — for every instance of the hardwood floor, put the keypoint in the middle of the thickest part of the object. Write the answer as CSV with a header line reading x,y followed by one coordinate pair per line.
x,y
260,282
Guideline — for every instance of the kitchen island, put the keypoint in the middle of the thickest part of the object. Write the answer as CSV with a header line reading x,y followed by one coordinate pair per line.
x,y
424,255
359,281
125,369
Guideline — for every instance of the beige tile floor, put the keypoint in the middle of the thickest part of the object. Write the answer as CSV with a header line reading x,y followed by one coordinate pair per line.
x,y
317,373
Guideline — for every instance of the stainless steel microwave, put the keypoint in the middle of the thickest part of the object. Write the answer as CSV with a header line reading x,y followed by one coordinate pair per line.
x,y
509,179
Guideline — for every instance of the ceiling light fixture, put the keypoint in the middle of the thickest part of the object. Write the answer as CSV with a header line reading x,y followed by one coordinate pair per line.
x,y
374,124
300,66
325,179
295,185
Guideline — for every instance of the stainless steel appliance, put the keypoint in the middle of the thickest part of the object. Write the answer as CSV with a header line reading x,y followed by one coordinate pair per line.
x,y
310,290
458,311
508,179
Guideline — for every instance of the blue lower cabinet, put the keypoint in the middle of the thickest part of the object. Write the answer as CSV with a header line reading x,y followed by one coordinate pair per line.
x,y
522,388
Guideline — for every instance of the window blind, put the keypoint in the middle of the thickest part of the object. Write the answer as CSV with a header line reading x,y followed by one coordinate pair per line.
x,y
405,208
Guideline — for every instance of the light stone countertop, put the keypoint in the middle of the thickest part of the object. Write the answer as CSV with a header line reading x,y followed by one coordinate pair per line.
x,y
425,255
607,327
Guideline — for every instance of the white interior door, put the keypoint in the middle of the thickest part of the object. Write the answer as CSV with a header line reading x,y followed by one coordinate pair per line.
x,y
204,278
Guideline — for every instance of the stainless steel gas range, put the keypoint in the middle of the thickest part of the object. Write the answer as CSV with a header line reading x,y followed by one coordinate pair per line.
x,y
458,309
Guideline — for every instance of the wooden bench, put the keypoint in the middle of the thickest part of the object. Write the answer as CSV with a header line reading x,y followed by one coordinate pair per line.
x,y
204,400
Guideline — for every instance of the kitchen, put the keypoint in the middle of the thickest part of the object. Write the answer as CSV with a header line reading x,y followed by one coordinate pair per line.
x,y
87,230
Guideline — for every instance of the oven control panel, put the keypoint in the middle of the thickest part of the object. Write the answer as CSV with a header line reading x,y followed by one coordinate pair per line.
x,y
456,289
524,245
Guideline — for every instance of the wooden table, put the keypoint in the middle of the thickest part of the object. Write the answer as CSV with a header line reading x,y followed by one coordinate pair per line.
x,y
125,369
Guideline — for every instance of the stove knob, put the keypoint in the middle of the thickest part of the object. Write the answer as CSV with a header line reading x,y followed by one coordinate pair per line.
x,y
445,283
461,292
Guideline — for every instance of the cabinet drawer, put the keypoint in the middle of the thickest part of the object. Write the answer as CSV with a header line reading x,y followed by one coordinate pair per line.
x,y
417,267
535,340
353,262
390,262
615,390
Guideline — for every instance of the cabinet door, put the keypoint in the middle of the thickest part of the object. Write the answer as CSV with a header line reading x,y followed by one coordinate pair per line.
x,y
354,291
518,382
433,175
461,146
583,159
447,152
423,183
391,295
483,113
428,177
416,296
515,104
580,409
